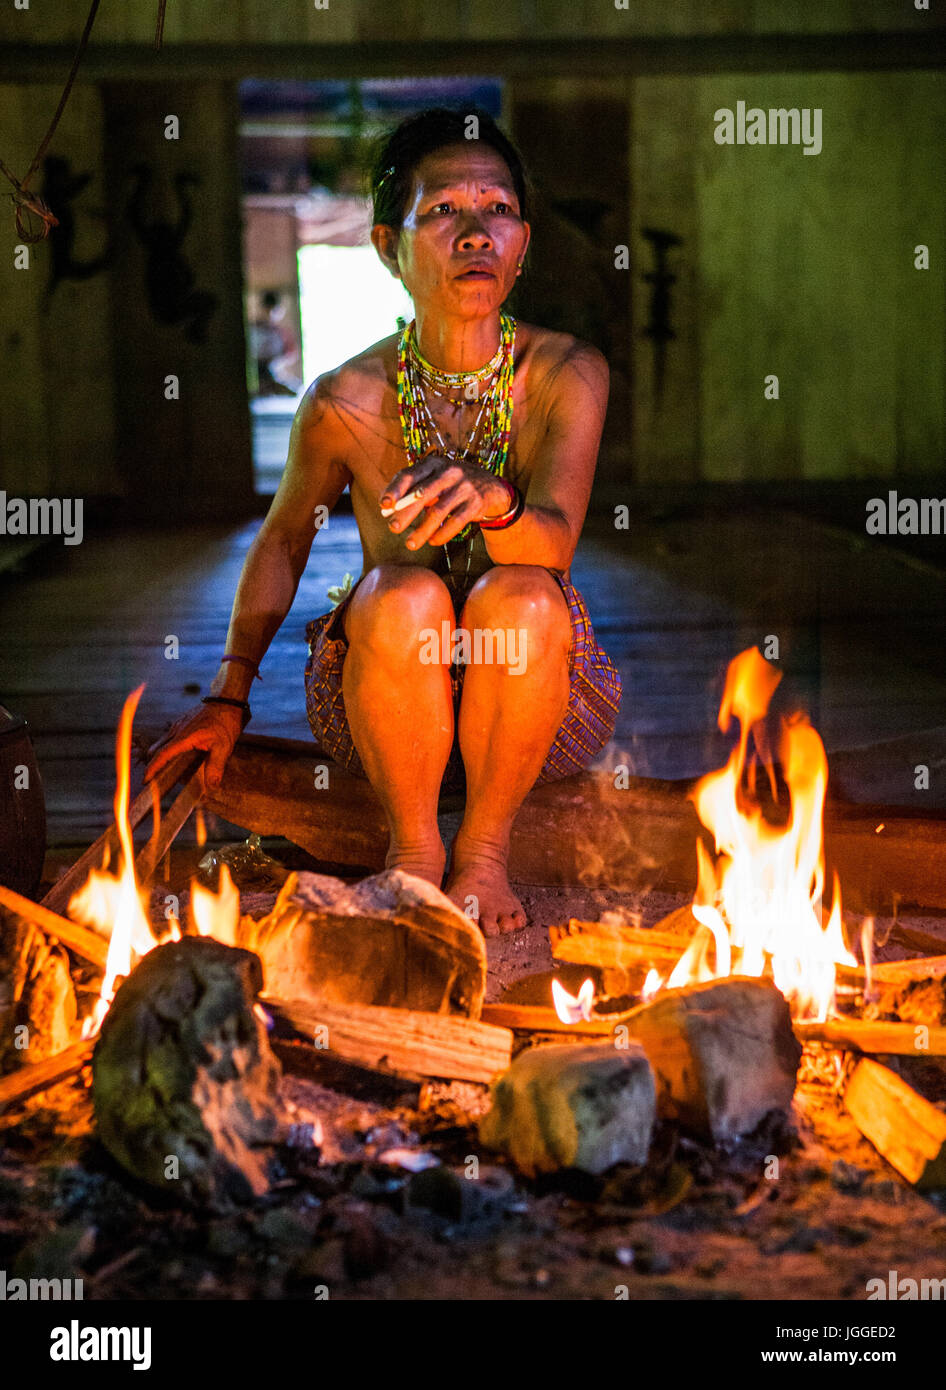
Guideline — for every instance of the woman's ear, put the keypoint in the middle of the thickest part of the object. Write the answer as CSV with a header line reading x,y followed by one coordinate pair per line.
x,y
384,240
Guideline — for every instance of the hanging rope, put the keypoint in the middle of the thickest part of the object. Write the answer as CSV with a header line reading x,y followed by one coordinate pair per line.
x,y
27,204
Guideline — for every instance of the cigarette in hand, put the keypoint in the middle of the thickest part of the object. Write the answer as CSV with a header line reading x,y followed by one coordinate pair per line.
x,y
404,502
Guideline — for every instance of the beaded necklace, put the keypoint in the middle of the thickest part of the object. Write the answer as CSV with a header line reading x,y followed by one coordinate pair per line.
x,y
415,377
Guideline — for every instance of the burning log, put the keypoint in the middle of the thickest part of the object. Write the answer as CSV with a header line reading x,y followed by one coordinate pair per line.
x,y
39,1076
573,1107
37,998
184,1082
723,1053
391,940
541,1018
83,942
57,899
869,1035
908,1131
403,1042
896,972
622,951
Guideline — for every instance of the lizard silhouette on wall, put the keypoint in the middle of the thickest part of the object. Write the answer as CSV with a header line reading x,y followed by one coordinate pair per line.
x,y
61,186
170,282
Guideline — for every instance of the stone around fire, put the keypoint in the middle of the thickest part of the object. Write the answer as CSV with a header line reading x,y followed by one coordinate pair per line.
x,y
184,1082
567,1106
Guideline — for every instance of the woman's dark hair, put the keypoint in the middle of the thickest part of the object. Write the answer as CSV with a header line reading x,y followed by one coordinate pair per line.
x,y
400,152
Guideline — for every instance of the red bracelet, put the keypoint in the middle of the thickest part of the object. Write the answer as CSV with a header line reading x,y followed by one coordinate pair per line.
x,y
245,661
513,512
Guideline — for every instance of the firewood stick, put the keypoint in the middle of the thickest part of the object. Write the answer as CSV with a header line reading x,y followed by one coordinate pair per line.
x,y
896,972
866,1035
616,946
58,896
903,1127
539,1018
904,1039
85,943
178,812
621,945
402,1042
39,1076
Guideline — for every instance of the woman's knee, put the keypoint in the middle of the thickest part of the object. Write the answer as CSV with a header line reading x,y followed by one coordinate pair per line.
x,y
393,603
509,596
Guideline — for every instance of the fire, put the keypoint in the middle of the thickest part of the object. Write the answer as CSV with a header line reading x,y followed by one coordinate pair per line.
x,y
760,905
216,914
572,1008
116,903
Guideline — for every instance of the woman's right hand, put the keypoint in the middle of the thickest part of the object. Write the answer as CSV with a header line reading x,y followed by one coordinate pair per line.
x,y
215,728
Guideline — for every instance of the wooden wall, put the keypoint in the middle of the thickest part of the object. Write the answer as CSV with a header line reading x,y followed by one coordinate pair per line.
x,y
57,420
791,264
798,266
195,449
299,21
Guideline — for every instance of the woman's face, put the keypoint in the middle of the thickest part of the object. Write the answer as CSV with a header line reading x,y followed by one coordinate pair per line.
x,y
462,237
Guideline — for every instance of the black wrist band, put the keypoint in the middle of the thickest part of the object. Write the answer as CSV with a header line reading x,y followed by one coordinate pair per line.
x,y
225,700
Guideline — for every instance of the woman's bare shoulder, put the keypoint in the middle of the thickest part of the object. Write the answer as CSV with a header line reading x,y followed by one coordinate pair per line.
x,y
354,388
557,359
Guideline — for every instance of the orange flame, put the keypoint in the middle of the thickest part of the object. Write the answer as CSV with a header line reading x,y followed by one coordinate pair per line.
x,y
216,914
115,903
760,904
572,1008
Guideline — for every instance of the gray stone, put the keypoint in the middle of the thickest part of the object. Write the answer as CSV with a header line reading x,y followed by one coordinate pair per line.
x,y
184,1082
573,1106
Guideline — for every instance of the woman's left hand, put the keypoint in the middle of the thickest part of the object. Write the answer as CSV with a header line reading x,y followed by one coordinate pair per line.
x,y
450,496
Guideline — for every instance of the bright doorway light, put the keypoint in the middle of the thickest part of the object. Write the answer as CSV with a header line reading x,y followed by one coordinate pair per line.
x,y
347,301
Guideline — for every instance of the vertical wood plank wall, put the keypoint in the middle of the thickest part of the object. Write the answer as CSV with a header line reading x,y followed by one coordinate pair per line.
x,y
799,266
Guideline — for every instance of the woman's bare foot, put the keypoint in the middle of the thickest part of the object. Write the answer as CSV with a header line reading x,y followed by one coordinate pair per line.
x,y
479,886
425,861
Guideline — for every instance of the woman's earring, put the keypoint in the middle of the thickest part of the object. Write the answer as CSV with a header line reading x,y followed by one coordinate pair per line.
x,y
519,271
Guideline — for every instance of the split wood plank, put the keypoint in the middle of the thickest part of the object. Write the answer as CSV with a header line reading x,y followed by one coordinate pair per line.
x,y
903,1127
618,945
539,1018
867,1035
401,1042
896,972
39,1076
177,814
57,899
87,944
849,1034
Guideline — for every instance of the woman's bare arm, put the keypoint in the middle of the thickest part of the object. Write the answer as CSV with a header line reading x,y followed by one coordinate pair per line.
x,y
314,478
557,498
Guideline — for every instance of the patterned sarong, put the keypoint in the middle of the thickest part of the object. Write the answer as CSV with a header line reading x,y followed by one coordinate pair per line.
x,y
594,694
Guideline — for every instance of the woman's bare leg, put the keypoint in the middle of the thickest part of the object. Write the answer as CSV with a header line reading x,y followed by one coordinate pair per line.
x,y
400,709
507,725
